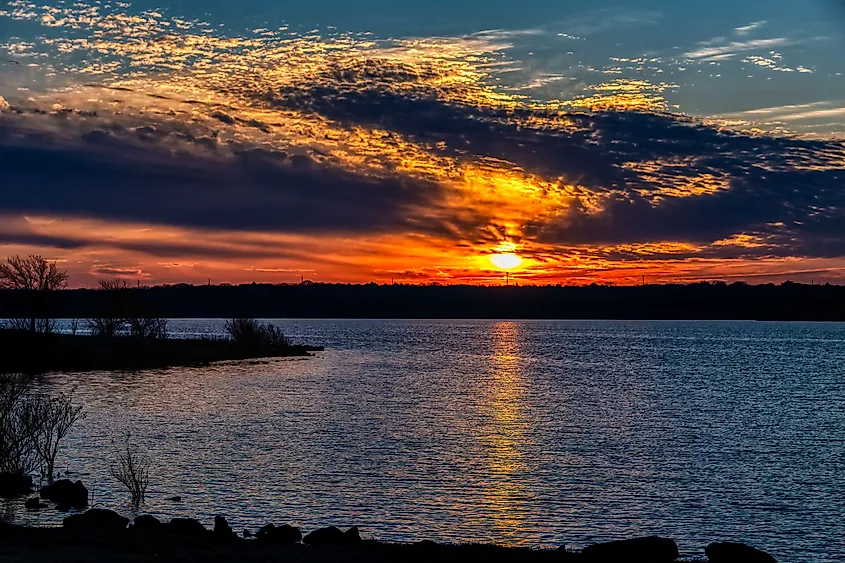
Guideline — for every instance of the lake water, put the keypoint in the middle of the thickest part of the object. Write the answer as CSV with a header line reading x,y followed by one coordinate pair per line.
x,y
528,433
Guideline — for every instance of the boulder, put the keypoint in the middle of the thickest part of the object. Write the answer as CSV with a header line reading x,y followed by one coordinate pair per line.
x,y
725,552
325,536
174,499
222,527
284,534
146,523
14,485
66,493
186,527
96,519
247,533
652,549
352,535
34,503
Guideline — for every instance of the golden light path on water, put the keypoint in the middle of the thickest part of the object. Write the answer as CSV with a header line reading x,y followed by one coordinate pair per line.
x,y
191,89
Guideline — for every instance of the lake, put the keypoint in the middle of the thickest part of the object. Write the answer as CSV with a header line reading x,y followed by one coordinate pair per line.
x,y
518,432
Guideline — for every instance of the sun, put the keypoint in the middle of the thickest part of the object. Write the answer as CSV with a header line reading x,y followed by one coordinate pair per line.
x,y
507,261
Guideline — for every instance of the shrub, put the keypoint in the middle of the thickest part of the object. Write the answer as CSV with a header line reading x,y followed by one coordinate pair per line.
x,y
152,327
32,426
244,330
250,333
132,469
106,326
55,417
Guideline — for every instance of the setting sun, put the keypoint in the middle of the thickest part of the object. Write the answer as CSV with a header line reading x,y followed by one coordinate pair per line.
x,y
505,261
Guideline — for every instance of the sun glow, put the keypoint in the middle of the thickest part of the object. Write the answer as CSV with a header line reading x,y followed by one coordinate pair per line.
x,y
505,261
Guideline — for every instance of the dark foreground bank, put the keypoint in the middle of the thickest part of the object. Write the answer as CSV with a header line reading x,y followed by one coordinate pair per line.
x,y
25,352
102,535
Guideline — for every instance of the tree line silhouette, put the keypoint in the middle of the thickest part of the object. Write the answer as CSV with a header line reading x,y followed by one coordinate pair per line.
x,y
736,301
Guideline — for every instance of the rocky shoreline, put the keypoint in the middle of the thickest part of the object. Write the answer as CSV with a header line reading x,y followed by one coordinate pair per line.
x,y
104,535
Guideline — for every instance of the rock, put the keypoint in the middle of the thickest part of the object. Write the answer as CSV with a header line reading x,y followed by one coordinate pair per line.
x,y
96,519
147,522
13,485
736,553
34,503
325,536
174,499
247,533
284,534
186,527
652,549
222,528
67,493
352,535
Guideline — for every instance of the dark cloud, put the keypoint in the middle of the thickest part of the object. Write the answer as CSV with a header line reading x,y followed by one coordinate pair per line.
x,y
789,191
34,239
111,176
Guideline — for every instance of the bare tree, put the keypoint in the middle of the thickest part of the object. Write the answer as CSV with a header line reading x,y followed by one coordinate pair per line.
x,y
38,276
55,416
32,426
34,273
113,285
147,327
106,326
132,469
17,426
113,324
74,326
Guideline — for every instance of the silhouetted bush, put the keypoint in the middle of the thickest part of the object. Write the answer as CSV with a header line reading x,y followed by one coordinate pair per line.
x,y
106,326
273,336
243,330
152,327
132,469
32,426
250,333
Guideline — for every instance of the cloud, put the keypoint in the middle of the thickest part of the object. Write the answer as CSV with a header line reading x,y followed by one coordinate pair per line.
x,y
114,174
746,29
733,48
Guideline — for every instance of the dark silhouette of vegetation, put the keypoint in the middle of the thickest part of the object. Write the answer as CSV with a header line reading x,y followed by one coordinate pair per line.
x,y
28,353
126,315
131,468
56,416
105,327
34,278
788,301
249,333
32,426
147,327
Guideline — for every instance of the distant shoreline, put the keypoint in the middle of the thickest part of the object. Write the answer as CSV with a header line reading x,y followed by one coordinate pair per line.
x,y
700,301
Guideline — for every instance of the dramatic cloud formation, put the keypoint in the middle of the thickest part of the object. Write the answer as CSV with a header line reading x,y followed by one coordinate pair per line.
x,y
169,151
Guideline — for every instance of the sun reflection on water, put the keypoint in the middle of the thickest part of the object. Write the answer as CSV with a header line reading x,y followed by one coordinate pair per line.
x,y
506,492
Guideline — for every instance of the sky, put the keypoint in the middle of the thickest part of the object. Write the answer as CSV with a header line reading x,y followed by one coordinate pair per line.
x,y
425,142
